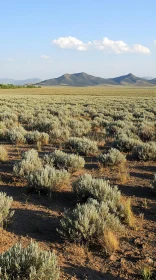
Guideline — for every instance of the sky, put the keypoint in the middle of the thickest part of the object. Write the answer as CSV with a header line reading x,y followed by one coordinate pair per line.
x,y
45,39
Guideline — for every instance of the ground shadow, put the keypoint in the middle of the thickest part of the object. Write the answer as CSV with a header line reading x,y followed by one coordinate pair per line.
x,y
137,190
83,273
39,225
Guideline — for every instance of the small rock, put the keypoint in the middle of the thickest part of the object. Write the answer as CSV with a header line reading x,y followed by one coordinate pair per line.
x,y
113,258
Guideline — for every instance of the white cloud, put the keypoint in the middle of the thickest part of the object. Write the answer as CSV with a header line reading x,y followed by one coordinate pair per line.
x,y
43,56
111,46
140,49
105,45
155,42
70,43
10,59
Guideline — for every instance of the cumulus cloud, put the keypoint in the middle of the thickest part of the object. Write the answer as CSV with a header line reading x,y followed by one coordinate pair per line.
x,y
140,49
111,46
43,56
105,45
70,43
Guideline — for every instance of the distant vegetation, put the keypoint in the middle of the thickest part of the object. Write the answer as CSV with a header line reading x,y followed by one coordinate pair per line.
x,y
11,86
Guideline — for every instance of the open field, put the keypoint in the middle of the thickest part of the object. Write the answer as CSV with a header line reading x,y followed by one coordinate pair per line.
x,y
111,135
91,91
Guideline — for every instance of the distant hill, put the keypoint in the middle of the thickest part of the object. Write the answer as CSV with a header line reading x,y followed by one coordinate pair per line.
x,y
77,79
153,81
83,79
19,82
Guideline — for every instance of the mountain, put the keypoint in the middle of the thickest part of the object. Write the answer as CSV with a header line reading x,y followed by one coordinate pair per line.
x,y
19,82
77,79
131,80
83,79
153,81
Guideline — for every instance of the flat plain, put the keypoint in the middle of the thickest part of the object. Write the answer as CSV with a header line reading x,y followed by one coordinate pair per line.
x,y
59,118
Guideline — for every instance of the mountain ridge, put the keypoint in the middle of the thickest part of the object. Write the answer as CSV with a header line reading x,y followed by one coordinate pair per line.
x,y
83,79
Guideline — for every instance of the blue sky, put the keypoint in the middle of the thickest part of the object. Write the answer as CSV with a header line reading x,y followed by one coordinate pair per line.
x,y
48,38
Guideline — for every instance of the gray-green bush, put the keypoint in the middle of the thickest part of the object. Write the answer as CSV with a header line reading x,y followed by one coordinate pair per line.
x,y
88,222
83,145
30,161
145,151
47,178
30,263
60,159
112,158
5,208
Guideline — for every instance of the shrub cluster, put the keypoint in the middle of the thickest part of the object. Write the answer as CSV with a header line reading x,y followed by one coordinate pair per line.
x,y
5,205
83,145
47,178
17,135
88,222
113,157
63,160
145,151
33,137
30,263
102,212
125,143
30,162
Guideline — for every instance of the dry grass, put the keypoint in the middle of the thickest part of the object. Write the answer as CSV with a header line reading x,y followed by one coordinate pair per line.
x,y
111,242
123,174
3,154
130,219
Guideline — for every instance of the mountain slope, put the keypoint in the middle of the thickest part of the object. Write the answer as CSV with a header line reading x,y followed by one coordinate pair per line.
x,y
83,79
77,79
130,79
19,82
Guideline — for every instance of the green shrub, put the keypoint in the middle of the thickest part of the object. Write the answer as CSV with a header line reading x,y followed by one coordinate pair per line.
x,y
5,205
145,151
30,161
87,187
17,135
60,159
79,127
83,145
113,157
125,143
3,131
59,134
30,263
146,131
3,154
88,222
33,137
47,178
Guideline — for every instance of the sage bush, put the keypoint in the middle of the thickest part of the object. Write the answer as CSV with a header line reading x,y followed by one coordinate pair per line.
x,y
30,263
